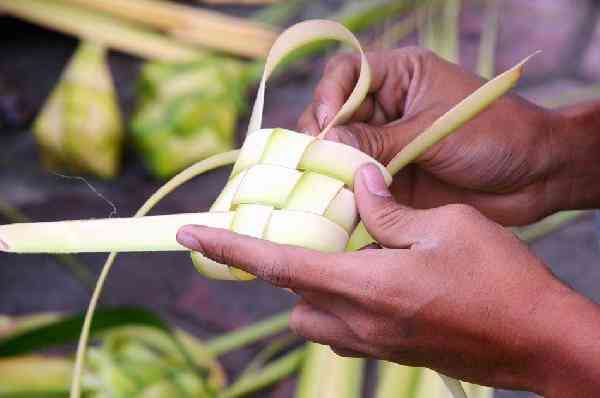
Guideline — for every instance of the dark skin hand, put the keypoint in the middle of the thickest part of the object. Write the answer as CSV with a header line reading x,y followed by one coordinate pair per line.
x,y
451,290
516,162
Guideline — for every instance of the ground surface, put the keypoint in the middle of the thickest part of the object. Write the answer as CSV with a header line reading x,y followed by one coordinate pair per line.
x,y
32,59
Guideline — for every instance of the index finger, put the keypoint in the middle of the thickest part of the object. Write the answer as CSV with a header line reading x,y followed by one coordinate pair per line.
x,y
333,89
281,265
338,81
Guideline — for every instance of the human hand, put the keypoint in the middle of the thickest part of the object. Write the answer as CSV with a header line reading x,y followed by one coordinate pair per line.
x,y
502,162
452,291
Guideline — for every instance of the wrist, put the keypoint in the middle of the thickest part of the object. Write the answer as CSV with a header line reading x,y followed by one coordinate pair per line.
x,y
575,152
568,347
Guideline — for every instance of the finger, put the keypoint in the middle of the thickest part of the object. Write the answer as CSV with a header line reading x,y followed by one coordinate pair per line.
x,y
307,123
344,307
336,85
339,80
321,327
391,224
365,295
366,112
281,265
379,142
392,74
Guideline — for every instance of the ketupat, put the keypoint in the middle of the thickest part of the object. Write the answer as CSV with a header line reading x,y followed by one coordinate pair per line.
x,y
186,112
79,128
158,233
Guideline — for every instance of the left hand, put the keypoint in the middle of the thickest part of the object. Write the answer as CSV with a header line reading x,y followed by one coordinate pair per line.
x,y
452,291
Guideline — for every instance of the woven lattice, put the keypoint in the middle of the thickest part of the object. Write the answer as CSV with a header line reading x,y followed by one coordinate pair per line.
x,y
288,187
281,173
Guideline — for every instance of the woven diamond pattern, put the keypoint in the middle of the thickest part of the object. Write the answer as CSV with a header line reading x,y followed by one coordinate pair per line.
x,y
275,169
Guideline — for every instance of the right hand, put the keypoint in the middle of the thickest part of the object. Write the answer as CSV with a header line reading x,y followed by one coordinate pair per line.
x,y
451,291
502,162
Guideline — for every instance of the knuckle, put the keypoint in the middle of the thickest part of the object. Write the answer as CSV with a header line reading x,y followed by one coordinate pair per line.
x,y
223,254
339,59
306,123
333,90
297,324
373,292
368,332
413,59
278,271
459,211
388,216
374,54
324,87
415,51
372,142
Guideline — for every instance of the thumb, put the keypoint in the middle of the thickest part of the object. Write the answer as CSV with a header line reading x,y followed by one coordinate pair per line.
x,y
376,141
391,224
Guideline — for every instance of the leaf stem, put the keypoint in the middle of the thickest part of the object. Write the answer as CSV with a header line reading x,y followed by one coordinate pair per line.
x,y
267,353
79,269
270,374
247,335
548,225
112,32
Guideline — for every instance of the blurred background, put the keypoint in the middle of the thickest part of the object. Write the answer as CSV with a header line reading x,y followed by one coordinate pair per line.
x,y
102,101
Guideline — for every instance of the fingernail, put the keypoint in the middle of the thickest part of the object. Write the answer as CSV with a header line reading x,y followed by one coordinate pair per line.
x,y
187,239
374,180
344,136
322,115
3,245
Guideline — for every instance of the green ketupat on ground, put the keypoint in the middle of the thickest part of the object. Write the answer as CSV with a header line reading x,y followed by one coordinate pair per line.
x,y
80,129
186,112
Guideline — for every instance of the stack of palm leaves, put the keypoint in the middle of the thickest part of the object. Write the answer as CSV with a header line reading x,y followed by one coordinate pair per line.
x,y
154,29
